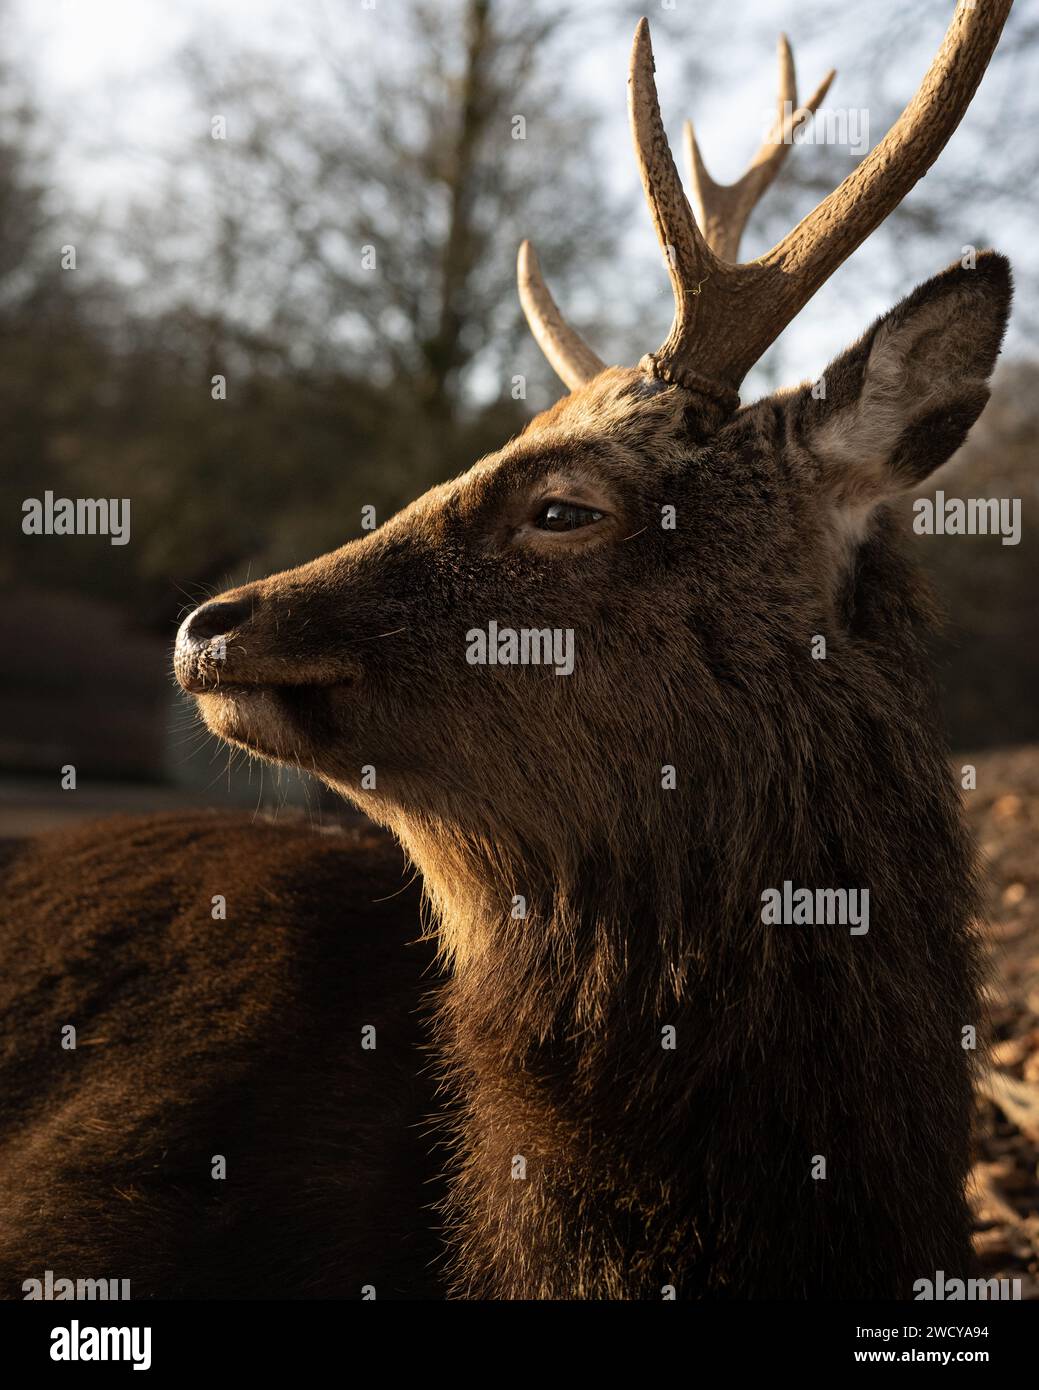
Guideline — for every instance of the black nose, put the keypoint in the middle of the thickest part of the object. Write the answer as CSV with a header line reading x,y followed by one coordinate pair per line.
x,y
216,618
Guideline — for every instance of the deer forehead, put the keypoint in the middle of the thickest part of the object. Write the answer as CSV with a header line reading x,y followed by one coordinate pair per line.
x,y
623,426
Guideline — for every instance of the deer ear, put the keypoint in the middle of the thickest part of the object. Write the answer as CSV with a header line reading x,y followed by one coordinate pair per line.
x,y
894,407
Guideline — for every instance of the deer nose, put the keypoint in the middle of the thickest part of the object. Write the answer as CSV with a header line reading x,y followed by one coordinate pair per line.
x,y
215,619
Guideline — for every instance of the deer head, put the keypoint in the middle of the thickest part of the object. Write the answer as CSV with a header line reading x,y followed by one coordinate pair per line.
x,y
691,549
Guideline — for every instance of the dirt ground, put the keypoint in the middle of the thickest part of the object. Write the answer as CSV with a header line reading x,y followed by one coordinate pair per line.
x,y
1004,811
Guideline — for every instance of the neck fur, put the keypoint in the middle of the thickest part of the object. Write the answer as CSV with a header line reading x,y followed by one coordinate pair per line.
x,y
598,1154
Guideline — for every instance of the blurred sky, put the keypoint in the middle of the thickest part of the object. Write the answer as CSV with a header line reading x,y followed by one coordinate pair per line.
x,y
106,68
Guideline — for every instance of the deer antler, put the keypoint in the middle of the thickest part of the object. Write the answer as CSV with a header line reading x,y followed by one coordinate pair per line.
x,y
727,314
722,209
568,354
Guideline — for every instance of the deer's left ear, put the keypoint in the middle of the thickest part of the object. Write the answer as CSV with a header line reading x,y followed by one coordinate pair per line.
x,y
899,403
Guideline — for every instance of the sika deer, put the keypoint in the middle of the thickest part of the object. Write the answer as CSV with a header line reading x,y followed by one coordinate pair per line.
x,y
651,1087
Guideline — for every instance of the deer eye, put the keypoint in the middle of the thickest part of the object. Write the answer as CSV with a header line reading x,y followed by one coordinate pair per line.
x,y
565,516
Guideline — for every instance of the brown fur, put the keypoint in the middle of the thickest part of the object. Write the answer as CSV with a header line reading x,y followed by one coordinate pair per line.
x,y
647,1169
198,1037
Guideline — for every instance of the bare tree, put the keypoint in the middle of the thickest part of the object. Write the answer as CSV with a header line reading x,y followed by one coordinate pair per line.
x,y
364,211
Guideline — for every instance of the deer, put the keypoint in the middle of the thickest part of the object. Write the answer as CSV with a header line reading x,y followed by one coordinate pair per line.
x,y
601,1071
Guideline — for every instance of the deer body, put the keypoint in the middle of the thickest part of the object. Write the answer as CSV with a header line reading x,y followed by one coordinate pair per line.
x,y
649,1089
201,1038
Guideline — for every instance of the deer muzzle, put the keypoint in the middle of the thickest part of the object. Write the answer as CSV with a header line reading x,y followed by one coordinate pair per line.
x,y
248,638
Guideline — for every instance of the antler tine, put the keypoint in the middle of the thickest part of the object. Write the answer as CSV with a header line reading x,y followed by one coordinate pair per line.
x,y
690,261
568,354
722,210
